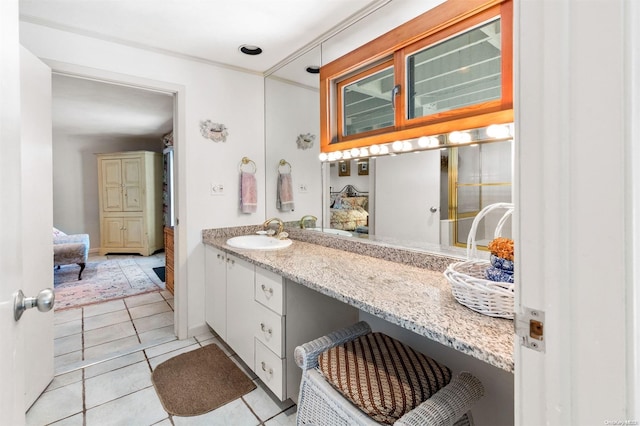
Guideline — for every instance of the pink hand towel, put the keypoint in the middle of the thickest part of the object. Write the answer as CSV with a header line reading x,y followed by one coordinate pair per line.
x,y
248,193
284,199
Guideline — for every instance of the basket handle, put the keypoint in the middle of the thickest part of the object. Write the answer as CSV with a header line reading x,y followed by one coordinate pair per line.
x,y
472,250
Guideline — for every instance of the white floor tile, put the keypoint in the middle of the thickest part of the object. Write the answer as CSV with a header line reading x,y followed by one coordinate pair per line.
x,y
68,344
287,418
55,405
61,317
104,349
113,364
263,403
166,294
67,328
91,323
62,360
169,347
149,309
108,334
143,299
154,321
235,413
139,408
158,333
165,422
115,384
77,420
65,379
103,308
206,335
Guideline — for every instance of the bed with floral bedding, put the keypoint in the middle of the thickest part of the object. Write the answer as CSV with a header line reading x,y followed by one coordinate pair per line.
x,y
349,209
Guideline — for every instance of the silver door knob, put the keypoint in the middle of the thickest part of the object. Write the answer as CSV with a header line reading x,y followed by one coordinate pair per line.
x,y
433,209
43,301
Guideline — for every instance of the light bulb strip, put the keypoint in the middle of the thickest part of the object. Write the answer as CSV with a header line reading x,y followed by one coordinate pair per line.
x,y
494,133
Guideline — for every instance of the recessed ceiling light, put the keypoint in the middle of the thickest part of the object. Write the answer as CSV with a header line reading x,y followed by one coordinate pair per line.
x,y
313,69
249,49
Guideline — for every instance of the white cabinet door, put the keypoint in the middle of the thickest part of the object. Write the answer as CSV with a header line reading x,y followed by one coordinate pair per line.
x,y
132,184
240,282
216,290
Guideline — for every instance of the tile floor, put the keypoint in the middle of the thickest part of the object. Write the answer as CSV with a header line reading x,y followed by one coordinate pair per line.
x,y
104,356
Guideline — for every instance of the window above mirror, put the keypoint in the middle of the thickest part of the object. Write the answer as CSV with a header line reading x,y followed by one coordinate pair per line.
x,y
448,69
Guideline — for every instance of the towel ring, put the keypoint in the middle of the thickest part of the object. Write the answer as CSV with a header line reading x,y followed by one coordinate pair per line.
x,y
246,160
284,163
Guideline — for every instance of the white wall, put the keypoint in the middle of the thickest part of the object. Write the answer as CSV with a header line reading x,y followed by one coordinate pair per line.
x,y
291,110
210,92
75,179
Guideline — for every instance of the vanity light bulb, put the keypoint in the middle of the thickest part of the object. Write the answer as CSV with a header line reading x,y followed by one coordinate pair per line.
x,y
355,152
323,156
455,137
465,137
397,146
498,131
364,152
375,149
407,146
433,141
384,150
332,156
423,141
346,155
337,155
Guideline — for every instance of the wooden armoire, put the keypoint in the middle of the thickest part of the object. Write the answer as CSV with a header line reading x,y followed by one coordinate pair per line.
x,y
130,202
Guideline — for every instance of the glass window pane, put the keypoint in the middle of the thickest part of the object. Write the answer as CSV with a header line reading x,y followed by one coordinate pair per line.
x,y
461,71
367,103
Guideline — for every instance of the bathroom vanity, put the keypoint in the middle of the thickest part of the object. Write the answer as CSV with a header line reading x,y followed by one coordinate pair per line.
x,y
307,290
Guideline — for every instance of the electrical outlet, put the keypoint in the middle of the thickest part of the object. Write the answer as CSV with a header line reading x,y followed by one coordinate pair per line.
x,y
217,189
302,187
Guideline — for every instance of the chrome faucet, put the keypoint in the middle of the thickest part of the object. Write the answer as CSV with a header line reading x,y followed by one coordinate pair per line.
x,y
280,223
305,218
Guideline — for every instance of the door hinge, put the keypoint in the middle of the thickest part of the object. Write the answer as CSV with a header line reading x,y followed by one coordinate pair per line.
x,y
530,329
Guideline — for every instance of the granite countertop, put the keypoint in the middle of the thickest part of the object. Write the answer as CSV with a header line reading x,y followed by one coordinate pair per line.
x,y
414,298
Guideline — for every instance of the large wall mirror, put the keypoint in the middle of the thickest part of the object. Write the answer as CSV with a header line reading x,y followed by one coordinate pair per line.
x,y
422,200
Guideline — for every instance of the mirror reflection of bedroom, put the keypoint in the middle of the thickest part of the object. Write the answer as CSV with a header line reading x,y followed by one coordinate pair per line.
x,y
419,199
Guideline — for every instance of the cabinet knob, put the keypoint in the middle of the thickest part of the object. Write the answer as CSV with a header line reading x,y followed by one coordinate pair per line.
x,y
219,256
266,329
269,371
231,261
267,290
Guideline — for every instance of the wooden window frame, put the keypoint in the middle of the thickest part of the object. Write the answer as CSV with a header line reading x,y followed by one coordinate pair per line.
x,y
439,23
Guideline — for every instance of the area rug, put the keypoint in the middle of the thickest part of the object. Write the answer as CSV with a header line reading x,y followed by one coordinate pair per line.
x,y
101,281
199,381
160,272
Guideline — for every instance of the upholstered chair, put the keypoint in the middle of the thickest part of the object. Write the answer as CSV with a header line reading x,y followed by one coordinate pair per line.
x,y
70,249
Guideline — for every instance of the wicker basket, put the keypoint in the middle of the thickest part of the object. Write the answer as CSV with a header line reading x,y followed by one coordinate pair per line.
x,y
467,278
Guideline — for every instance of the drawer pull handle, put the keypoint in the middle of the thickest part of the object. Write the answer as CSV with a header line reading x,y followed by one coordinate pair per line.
x,y
269,371
267,290
231,260
266,329
220,256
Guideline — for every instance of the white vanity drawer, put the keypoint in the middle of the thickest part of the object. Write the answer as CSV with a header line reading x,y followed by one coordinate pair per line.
x,y
269,328
269,290
270,368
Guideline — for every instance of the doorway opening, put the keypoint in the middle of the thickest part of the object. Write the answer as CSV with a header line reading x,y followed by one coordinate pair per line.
x,y
97,116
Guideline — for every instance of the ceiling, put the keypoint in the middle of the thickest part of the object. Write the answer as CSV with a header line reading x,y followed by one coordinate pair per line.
x,y
205,30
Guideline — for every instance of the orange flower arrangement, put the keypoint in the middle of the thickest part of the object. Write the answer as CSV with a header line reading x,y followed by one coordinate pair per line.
x,y
502,247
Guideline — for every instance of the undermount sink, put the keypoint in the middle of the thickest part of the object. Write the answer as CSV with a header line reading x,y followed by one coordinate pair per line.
x,y
258,242
332,231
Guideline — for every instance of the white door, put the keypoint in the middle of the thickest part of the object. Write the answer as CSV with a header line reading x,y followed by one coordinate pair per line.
x,y
37,218
576,212
11,349
413,182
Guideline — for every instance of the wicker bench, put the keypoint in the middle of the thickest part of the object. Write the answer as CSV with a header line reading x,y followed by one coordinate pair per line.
x,y
320,403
